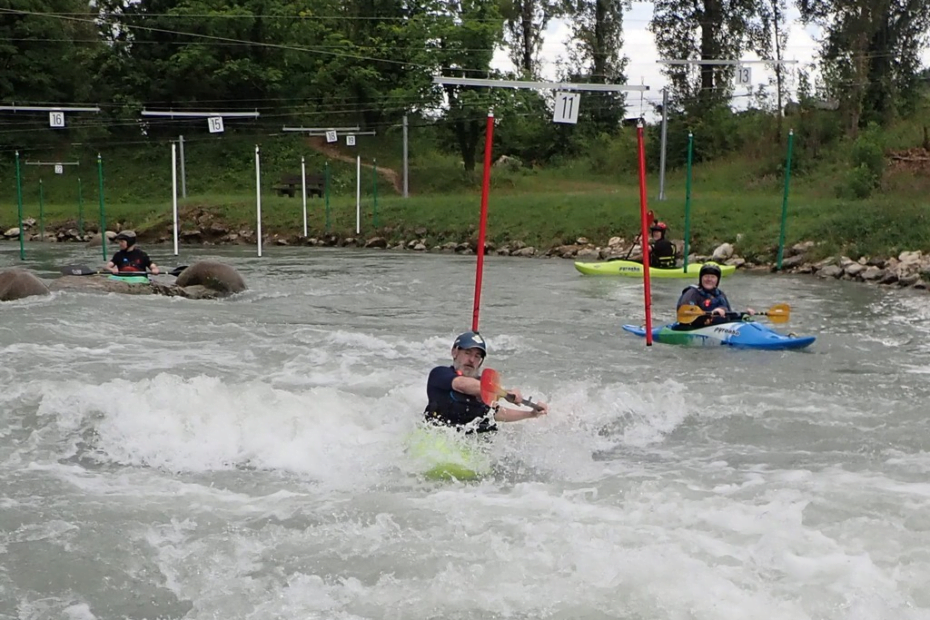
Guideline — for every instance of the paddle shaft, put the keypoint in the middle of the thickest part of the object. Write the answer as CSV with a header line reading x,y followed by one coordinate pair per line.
x,y
526,402
84,270
779,313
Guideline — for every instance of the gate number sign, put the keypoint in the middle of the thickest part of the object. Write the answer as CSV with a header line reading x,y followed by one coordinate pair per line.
x,y
215,123
56,119
743,75
566,108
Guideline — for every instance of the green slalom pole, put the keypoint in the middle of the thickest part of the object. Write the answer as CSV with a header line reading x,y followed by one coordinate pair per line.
x,y
688,197
103,216
41,212
374,182
784,202
19,204
326,192
80,208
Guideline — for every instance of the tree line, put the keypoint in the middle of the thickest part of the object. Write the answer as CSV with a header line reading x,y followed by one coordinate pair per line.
x,y
370,62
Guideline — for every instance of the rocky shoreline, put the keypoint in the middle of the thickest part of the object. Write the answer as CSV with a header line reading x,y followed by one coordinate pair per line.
x,y
909,269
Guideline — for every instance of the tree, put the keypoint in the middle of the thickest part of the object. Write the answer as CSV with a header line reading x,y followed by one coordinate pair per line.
x,y
597,32
710,30
45,45
464,36
870,54
526,20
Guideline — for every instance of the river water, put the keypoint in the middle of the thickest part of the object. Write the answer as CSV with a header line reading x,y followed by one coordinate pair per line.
x,y
244,459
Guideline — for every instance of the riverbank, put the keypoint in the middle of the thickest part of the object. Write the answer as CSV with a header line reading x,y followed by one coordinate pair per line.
x,y
907,268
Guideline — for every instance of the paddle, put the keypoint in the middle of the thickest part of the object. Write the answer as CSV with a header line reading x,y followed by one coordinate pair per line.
x,y
779,313
84,270
650,218
491,390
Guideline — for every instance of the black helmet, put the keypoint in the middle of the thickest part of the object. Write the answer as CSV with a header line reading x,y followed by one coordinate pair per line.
x,y
660,226
471,340
709,268
129,236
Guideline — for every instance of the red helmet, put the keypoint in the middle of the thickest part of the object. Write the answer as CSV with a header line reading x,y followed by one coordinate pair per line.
x,y
662,226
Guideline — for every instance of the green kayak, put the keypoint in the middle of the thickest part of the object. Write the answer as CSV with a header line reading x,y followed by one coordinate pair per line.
x,y
445,454
130,279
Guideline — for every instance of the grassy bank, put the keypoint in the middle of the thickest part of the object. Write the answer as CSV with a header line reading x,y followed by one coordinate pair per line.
x,y
736,200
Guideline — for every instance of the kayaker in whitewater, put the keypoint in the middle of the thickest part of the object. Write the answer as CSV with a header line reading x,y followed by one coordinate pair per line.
x,y
662,253
454,392
710,299
129,257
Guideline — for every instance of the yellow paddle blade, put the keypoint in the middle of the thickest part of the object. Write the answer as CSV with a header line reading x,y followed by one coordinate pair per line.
x,y
779,313
688,313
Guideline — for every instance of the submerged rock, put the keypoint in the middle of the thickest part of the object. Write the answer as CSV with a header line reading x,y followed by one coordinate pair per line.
x,y
214,276
203,280
19,283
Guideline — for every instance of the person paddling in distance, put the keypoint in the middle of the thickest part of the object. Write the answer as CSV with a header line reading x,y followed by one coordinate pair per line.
x,y
709,298
662,254
129,257
455,392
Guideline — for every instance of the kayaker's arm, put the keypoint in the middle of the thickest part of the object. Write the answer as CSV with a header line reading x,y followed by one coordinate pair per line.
x,y
508,414
467,385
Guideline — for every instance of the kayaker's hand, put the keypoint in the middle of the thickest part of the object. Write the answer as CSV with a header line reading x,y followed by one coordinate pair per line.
x,y
750,311
543,409
719,312
514,396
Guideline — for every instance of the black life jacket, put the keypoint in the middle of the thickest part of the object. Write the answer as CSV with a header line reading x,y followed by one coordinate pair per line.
x,y
663,254
461,410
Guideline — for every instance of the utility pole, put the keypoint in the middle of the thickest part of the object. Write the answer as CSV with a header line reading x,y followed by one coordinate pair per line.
x,y
664,142
406,168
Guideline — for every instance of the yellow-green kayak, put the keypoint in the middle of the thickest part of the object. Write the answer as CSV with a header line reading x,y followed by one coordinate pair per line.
x,y
442,453
635,270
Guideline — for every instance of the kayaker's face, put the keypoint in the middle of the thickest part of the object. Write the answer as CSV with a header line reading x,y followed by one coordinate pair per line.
x,y
467,361
123,244
656,235
708,282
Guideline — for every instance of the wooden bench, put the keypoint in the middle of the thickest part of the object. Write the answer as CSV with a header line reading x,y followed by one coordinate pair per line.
x,y
289,184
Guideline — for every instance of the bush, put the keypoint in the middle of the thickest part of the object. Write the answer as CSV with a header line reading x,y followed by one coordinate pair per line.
x,y
858,183
868,152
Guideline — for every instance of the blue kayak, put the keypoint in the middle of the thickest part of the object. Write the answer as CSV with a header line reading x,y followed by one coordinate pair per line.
x,y
741,334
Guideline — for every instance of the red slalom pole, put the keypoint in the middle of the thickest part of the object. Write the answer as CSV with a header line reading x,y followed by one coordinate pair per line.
x,y
482,227
644,218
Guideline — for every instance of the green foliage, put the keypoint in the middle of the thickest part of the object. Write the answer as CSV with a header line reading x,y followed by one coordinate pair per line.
x,y
867,153
614,155
867,160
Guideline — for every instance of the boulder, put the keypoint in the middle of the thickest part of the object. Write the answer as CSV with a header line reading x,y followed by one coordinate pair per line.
x,y
723,252
854,269
18,283
213,275
588,254
830,271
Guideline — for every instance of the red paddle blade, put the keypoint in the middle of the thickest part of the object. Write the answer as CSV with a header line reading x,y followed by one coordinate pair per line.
x,y
490,386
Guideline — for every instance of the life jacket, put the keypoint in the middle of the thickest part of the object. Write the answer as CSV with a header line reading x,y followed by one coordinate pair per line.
x,y
662,255
709,300
461,410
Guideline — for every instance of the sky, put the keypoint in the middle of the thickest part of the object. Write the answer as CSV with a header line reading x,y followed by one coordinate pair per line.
x,y
642,68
